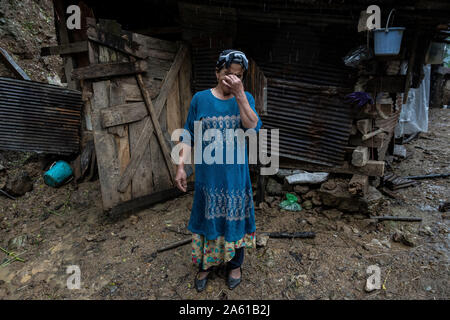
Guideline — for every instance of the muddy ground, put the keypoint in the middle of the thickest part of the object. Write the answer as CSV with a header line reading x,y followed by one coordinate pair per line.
x,y
115,257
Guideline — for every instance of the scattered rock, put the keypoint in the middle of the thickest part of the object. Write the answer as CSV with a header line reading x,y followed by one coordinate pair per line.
x,y
426,231
399,151
301,189
275,203
386,243
311,220
274,188
316,201
397,236
332,214
409,240
313,255
346,229
307,205
376,242
17,242
329,185
261,240
19,184
342,199
311,194
263,206
59,223
134,219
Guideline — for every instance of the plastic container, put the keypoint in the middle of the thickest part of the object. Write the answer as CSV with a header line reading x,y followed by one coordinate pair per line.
x,y
387,41
58,173
435,53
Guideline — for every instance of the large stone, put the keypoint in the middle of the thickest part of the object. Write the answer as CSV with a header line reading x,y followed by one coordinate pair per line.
x,y
274,188
301,189
19,184
342,199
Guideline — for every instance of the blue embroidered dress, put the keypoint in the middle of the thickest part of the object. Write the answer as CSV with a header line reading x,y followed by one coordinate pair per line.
x,y
222,215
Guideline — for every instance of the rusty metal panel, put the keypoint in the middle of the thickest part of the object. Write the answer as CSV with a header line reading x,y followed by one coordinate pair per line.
x,y
314,124
39,117
307,80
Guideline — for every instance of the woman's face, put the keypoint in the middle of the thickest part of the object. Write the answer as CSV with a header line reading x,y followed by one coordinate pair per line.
x,y
235,69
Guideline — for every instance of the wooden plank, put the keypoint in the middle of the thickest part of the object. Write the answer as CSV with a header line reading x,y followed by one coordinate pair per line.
x,y
105,148
374,142
149,199
105,70
147,42
114,42
123,114
121,137
155,121
69,48
142,181
148,126
184,84
174,109
161,178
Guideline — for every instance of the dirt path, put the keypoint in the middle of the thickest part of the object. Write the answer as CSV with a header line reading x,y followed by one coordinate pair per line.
x,y
116,262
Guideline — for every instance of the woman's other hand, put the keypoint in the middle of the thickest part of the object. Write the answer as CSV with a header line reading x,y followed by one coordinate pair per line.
x,y
181,179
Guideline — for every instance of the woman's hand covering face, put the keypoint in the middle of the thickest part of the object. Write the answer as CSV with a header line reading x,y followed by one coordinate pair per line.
x,y
233,83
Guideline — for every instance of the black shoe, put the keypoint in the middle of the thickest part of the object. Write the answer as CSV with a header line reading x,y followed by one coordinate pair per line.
x,y
200,285
232,282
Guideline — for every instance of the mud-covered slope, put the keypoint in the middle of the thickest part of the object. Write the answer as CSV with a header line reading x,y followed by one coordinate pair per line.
x,y
25,27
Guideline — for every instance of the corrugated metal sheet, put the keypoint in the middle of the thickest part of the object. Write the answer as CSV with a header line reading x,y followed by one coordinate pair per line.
x,y
306,77
307,80
39,117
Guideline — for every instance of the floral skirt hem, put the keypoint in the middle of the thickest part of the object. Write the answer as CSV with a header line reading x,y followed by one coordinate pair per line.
x,y
217,251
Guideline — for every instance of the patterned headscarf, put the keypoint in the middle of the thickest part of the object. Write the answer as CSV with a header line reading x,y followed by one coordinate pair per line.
x,y
229,56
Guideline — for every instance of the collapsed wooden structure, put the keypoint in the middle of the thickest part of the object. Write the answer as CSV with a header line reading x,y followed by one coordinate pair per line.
x,y
137,87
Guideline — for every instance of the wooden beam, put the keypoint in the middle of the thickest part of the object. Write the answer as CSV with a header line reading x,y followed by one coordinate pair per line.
x,y
372,168
70,48
148,200
123,114
147,130
104,70
115,42
154,117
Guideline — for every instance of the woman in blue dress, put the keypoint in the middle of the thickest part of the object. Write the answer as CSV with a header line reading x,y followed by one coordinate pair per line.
x,y
222,218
